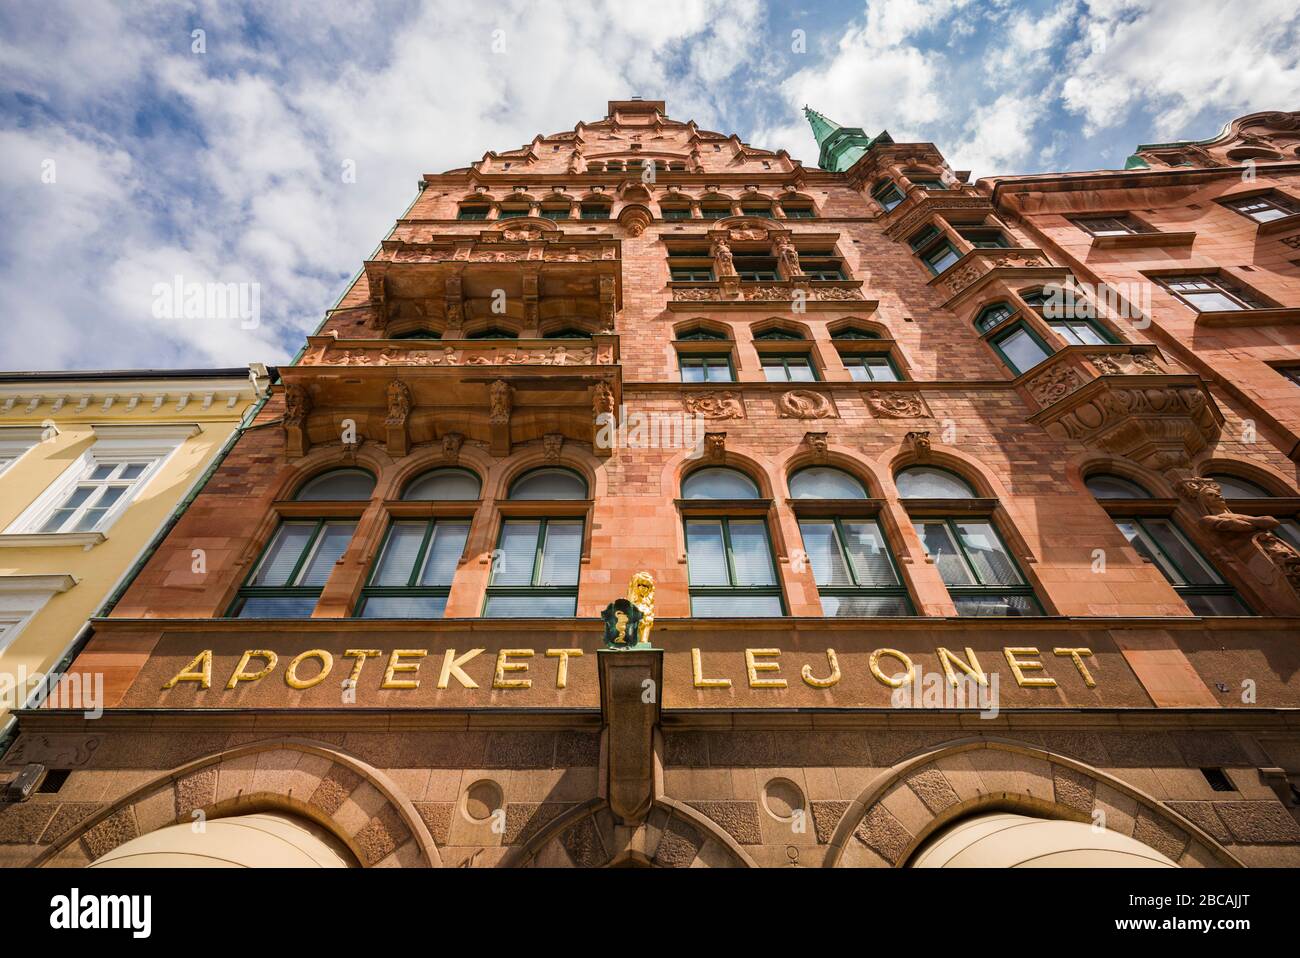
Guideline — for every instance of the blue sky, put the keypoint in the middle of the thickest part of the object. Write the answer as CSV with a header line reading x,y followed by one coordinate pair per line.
x,y
129,157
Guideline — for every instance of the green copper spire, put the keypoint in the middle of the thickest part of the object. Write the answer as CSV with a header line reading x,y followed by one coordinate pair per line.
x,y
841,146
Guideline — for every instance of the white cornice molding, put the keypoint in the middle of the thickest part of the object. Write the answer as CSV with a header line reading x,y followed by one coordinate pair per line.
x,y
49,583
143,397
145,430
46,540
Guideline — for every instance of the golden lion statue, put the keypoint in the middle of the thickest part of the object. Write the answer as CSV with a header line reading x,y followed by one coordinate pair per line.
x,y
641,593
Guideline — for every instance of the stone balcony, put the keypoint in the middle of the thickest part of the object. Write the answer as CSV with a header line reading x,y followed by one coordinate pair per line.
x,y
1124,400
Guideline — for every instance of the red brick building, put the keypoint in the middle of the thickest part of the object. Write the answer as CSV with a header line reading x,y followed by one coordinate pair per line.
x,y
883,438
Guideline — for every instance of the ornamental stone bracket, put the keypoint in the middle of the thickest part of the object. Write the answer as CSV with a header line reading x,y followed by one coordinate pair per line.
x,y
398,439
630,717
297,407
501,399
1126,401
981,266
1246,541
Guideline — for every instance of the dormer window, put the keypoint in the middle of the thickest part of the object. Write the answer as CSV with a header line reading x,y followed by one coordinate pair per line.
x,y
887,195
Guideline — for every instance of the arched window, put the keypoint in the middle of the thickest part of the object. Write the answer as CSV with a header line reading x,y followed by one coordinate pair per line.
x,y
418,334
701,334
981,575
991,316
855,334
443,484
851,562
1231,487
1104,486
728,550
337,485
1159,541
536,563
412,577
493,332
777,334
568,332
719,483
289,577
549,483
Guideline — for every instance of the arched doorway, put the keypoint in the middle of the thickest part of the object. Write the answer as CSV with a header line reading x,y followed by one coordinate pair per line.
x,y
1008,840
260,840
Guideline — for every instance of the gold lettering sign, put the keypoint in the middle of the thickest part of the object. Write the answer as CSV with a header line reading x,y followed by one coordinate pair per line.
x,y
753,667
874,664
240,675
1019,666
562,668
291,674
697,670
831,679
395,665
1077,655
452,666
504,665
199,670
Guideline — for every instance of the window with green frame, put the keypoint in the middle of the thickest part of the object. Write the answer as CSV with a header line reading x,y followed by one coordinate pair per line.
x,y
1159,540
556,212
676,212
981,575
927,182
851,563
761,211
788,368
595,211
755,269
714,212
984,237
493,332
418,334
688,274
473,213
888,195
993,316
798,211
1020,348
292,571
871,368
418,558
699,334
1212,292
535,565
1265,207
512,212
729,558
700,368
1081,332
934,249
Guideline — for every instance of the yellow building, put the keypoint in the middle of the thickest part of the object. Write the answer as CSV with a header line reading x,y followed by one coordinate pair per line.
x,y
92,467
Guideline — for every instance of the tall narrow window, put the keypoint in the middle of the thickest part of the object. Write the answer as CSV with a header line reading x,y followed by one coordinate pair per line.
x,y
288,579
934,249
729,557
536,563
1020,349
412,577
851,563
1159,541
980,573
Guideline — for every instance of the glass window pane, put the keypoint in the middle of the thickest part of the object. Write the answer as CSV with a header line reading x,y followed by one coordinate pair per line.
x,y
404,607
865,544
823,548
750,554
349,484
1233,488
561,553
283,553
277,607
1022,350
133,470
939,544
864,605
513,562
333,540
823,482
705,552
549,484
1215,605
102,471
1181,552
1149,550
444,484
718,483
992,563
922,482
735,606
775,371
89,520
530,606
983,605
400,554
1113,487
692,373
445,550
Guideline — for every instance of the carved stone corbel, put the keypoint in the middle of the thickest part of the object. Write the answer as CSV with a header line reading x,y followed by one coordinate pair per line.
x,y
715,446
552,443
501,397
603,419
297,407
451,443
396,424
816,441
918,443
